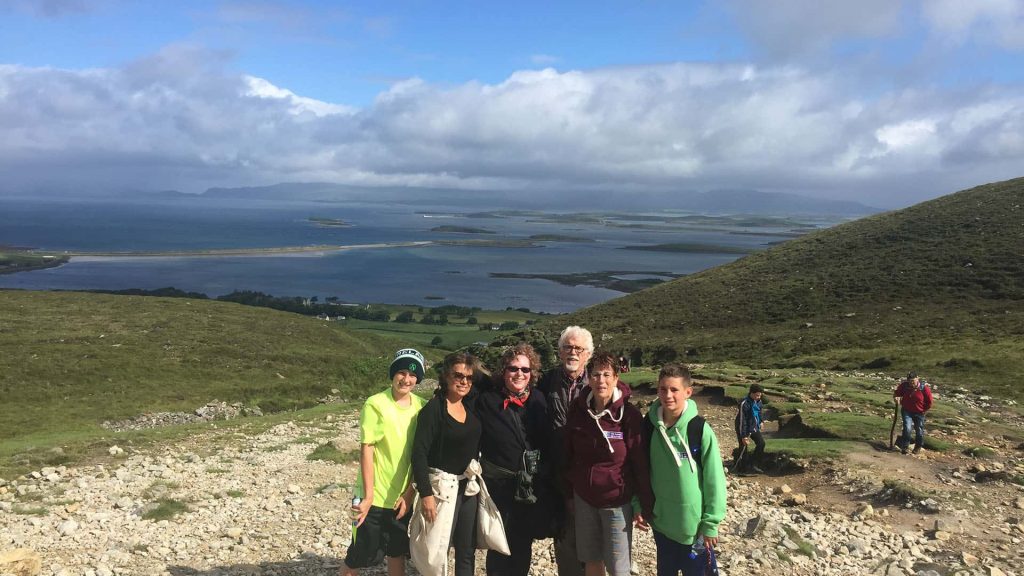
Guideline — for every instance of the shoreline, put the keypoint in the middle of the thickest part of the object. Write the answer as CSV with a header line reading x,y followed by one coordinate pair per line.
x,y
220,252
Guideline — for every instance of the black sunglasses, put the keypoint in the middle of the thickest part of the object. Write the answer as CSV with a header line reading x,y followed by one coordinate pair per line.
x,y
513,369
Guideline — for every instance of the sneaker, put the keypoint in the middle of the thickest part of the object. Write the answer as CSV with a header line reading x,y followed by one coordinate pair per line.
x,y
903,450
917,450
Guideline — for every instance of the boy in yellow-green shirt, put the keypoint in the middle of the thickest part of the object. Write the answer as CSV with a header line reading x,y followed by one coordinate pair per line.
x,y
383,492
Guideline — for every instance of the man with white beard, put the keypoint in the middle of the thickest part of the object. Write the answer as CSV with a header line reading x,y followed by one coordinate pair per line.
x,y
561,386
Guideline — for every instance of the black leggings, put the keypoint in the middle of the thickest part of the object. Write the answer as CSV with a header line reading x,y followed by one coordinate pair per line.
x,y
519,530
755,458
464,532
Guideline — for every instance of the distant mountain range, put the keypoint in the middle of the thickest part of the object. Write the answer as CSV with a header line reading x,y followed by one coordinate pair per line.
x,y
717,201
744,201
714,201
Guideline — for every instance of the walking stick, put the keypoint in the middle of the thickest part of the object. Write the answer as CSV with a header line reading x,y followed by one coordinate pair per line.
x,y
739,458
895,417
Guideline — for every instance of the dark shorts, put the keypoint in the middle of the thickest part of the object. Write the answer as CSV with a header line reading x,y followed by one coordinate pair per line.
x,y
380,535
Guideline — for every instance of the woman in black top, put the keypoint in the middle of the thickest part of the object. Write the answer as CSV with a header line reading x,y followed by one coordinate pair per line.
x,y
448,438
514,450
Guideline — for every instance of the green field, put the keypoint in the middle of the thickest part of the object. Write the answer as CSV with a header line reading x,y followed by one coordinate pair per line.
x,y
12,261
457,333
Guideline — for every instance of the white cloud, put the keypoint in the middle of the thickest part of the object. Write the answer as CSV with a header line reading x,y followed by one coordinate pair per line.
x,y
260,88
180,119
907,135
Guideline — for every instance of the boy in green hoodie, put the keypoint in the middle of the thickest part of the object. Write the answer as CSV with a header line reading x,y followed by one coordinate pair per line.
x,y
688,480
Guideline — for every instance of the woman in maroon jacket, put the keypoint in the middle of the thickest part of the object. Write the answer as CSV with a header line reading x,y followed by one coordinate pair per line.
x,y
606,466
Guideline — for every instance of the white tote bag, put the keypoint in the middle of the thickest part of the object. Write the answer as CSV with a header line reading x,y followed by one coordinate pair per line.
x,y
490,530
428,541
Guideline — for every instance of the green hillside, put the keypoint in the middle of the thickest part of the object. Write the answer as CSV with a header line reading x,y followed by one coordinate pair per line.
x,y
938,287
69,360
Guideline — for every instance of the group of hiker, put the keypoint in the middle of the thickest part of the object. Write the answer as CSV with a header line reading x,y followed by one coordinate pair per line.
x,y
501,459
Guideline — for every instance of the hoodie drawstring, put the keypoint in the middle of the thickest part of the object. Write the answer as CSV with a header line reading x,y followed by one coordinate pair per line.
x,y
680,437
597,417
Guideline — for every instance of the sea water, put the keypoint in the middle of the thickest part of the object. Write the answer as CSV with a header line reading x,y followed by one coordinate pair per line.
x,y
400,275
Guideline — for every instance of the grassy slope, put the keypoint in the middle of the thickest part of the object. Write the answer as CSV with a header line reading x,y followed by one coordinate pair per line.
x,y
68,361
938,283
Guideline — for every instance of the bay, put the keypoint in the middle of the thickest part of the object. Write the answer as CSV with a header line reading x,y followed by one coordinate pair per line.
x,y
398,275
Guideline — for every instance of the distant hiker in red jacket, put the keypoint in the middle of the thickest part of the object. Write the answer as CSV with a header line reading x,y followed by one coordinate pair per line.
x,y
916,398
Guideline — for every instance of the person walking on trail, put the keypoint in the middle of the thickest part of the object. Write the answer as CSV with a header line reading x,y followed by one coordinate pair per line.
x,y
916,399
561,386
384,494
686,475
748,429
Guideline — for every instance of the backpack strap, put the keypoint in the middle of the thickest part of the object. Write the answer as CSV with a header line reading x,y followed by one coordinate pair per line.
x,y
695,439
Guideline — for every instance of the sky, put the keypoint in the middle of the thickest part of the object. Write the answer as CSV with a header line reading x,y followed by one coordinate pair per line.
x,y
885,102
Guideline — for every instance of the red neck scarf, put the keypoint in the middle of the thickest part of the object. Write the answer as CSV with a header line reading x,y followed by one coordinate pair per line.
x,y
517,399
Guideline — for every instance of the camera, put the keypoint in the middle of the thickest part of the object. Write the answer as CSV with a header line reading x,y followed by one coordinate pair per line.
x,y
524,478
531,460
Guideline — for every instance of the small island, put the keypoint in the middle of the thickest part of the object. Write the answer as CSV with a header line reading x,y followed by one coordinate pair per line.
x,y
692,248
608,279
559,238
488,243
15,259
461,229
329,222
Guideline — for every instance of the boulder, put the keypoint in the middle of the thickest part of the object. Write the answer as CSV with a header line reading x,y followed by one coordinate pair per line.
x,y
992,475
755,526
20,562
864,512
795,500
67,528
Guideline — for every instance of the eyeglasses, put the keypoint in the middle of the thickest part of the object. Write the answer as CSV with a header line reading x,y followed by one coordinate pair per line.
x,y
514,369
571,348
460,377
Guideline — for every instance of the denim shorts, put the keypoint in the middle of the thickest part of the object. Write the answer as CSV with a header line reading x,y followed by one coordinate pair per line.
x,y
604,534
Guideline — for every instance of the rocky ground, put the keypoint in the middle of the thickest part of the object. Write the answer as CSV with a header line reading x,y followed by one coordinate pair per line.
x,y
255,505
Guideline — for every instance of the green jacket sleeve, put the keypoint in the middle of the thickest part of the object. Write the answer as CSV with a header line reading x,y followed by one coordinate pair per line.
x,y
713,488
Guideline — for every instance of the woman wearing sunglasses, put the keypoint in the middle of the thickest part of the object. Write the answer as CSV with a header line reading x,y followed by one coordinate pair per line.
x,y
606,466
514,455
447,442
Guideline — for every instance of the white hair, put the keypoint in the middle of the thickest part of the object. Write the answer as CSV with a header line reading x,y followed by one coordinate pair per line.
x,y
579,334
